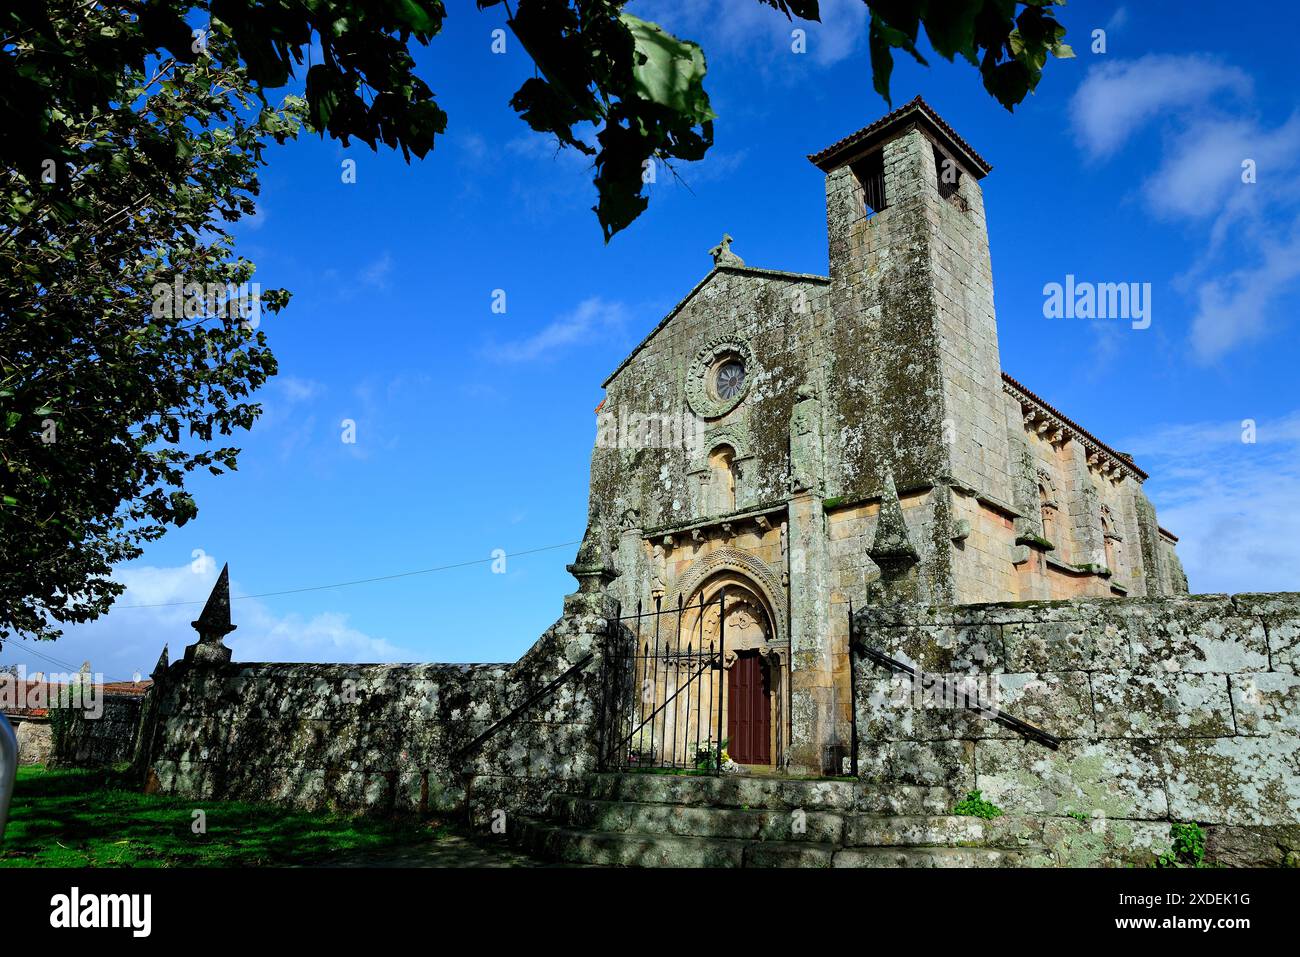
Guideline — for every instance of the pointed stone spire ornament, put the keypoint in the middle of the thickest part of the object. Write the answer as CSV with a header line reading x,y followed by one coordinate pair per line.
x,y
892,544
213,624
160,669
893,552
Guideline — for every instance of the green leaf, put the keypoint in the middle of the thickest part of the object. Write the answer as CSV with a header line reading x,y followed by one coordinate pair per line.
x,y
669,71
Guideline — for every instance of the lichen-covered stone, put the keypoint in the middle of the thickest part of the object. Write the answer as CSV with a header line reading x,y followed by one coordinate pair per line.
x,y
1177,705
1117,778
1266,702
1239,780
1082,644
1201,633
383,738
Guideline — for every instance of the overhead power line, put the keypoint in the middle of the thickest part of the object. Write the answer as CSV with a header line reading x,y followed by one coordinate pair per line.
x,y
364,581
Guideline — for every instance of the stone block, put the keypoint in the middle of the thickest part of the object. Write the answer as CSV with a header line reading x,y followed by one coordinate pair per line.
x,y
1200,634
948,764
1186,705
1242,780
897,709
1083,644
941,647
1280,614
1115,778
1266,702
1105,842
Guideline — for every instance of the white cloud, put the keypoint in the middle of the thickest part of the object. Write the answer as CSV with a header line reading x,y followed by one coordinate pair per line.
x,y
1233,309
544,147
256,220
1118,97
1249,259
376,273
295,389
128,640
754,30
1231,502
1201,175
593,318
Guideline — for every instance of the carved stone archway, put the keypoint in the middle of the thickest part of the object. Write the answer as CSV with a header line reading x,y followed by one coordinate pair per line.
x,y
751,572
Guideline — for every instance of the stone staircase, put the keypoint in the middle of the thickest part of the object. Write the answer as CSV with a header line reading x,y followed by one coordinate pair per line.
x,y
666,820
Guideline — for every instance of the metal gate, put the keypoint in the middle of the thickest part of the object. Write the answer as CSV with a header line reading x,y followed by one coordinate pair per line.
x,y
665,690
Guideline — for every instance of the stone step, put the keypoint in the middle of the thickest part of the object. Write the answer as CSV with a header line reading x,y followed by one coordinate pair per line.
x,y
722,790
634,849
871,830
617,849
906,799
771,792
765,824
940,857
754,824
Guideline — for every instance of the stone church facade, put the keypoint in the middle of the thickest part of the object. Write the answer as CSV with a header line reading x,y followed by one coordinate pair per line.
x,y
853,439
810,498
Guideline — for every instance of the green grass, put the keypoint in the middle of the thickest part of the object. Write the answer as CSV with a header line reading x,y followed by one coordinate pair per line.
x,y
95,818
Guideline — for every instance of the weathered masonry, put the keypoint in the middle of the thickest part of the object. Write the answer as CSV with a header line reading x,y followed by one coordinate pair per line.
x,y
853,439
840,562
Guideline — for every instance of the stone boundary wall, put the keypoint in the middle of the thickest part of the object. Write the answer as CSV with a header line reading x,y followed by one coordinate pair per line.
x,y
35,741
1169,710
80,741
381,738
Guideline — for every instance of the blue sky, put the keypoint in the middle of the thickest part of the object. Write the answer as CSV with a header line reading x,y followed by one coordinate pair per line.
x,y
474,428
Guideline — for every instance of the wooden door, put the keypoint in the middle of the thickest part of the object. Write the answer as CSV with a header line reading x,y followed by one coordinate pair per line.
x,y
749,715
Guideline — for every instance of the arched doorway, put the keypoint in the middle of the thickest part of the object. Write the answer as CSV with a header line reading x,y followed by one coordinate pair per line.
x,y
754,665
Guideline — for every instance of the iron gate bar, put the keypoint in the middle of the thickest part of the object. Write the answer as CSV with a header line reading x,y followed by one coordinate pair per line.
x,y
653,714
853,701
654,684
722,664
645,664
995,714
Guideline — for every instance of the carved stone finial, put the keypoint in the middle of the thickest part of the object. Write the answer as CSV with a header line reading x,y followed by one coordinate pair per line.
x,y
892,545
591,566
722,254
213,624
160,669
